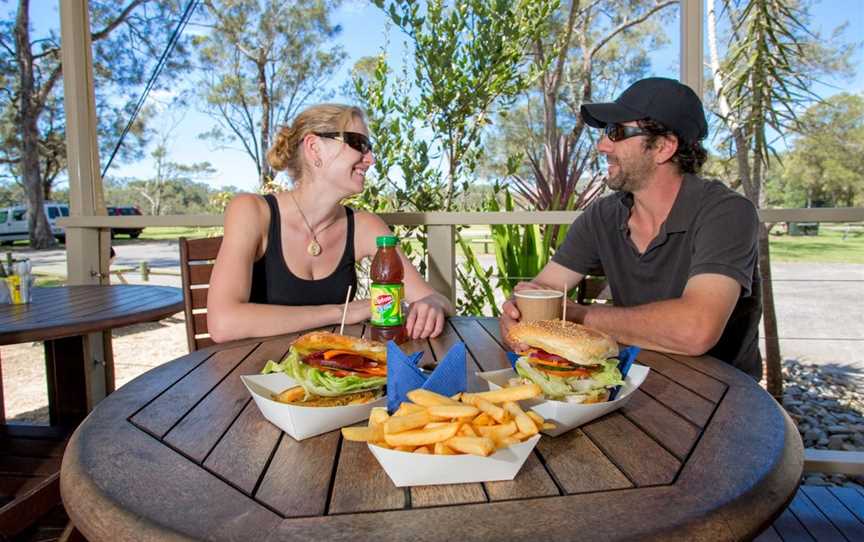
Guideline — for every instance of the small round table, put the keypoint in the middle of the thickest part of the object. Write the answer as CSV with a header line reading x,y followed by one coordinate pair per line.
x,y
700,452
62,317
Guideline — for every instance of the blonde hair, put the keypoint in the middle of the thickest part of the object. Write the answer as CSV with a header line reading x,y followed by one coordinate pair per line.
x,y
285,153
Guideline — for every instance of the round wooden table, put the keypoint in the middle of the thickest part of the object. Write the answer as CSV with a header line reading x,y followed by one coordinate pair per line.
x,y
62,316
701,452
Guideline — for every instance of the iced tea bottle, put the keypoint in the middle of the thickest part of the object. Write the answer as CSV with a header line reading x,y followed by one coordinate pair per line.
x,y
387,292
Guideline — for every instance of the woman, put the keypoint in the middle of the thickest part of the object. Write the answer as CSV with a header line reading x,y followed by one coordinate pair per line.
x,y
288,259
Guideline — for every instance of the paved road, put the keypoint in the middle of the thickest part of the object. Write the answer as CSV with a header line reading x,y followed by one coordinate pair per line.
x,y
818,305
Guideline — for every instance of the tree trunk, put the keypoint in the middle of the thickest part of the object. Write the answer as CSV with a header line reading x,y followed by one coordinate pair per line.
x,y
266,172
40,231
751,180
773,365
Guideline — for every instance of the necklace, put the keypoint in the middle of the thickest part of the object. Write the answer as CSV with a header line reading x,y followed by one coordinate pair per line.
x,y
314,248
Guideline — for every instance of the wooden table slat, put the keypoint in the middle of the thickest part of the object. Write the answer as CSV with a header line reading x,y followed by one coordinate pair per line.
x,y
200,429
361,485
840,516
531,481
816,523
242,453
81,305
483,347
678,398
579,465
160,416
666,426
298,477
708,387
644,461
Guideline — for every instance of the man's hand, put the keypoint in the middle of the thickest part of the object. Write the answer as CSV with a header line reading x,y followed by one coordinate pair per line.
x,y
426,317
510,314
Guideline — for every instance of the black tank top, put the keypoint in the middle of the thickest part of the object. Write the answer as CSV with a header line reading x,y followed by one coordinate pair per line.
x,y
273,282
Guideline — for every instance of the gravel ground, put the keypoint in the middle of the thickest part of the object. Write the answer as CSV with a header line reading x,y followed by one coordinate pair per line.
x,y
825,401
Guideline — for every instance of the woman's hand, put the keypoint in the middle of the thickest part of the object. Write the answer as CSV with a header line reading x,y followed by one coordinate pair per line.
x,y
426,317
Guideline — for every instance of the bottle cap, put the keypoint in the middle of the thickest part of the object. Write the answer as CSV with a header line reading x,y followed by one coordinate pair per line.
x,y
386,241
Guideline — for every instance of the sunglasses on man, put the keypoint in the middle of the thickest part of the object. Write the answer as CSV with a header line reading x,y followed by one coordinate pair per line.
x,y
619,132
357,141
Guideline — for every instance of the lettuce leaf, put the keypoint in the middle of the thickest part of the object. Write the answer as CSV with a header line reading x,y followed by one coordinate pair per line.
x,y
323,383
557,388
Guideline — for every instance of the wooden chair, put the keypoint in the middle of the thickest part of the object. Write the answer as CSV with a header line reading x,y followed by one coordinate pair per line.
x,y
196,265
593,289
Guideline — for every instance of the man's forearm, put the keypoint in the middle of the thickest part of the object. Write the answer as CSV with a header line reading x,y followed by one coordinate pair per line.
x,y
666,326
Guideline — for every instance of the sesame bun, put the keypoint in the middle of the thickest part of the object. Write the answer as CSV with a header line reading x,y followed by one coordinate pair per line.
x,y
324,340
574,342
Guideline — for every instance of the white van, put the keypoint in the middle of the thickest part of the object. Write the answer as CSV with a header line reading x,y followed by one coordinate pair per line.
x,y
14,227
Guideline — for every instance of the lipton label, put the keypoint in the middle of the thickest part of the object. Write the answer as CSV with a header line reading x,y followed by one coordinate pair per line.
x,y
387,304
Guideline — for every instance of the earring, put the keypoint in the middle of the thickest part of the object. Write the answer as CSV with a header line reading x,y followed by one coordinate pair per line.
x,y
318,162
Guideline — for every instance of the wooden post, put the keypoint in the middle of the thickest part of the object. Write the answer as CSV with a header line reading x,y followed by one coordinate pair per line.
x,y
442,260
692,49
86,248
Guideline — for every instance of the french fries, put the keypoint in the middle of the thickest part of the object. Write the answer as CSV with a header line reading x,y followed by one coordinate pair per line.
x,y
467,423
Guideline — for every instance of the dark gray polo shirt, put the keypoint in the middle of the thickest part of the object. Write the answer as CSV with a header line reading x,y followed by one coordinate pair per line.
x,y
710,229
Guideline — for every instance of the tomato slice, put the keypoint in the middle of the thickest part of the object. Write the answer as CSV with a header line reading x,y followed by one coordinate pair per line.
x,y
333,353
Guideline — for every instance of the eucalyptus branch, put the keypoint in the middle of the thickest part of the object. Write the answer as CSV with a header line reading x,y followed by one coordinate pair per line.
x,y
102,34
47,87
630,23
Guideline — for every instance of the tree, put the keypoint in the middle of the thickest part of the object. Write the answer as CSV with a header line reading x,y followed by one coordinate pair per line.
x,y
765,80
468,57
33,148
591,48
167,172
824,165
262,61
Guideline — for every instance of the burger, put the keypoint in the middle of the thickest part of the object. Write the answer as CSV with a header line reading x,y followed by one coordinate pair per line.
x,y
569,362
332,370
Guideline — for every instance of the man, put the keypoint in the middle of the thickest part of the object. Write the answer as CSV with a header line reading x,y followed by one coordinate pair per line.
x,y
679,252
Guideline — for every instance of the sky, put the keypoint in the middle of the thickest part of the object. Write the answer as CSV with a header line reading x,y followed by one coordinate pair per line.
x,y
363,34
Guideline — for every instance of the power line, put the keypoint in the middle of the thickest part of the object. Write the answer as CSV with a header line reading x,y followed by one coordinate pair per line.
x,y
163,59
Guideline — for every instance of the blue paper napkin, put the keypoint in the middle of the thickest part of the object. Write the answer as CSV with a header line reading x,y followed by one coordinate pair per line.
x,y
448,378
626,357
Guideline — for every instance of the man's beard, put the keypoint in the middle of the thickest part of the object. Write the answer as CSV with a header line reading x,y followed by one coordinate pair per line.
x,y
633,173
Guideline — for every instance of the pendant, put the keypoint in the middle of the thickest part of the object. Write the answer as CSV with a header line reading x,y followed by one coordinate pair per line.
x,y
314,248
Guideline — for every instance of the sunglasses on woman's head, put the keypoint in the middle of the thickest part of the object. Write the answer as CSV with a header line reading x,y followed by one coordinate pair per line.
x,y
619,132
357,141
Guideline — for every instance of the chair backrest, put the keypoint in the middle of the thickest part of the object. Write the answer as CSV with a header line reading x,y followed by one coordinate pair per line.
x,y
593,289
196,265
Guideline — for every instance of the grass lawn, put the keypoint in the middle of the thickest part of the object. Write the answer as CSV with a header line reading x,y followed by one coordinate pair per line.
x,y
170,233
827,247
48,281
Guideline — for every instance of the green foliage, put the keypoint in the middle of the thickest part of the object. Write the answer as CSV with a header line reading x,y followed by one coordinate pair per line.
x,y
179,196
427,121
824,165
468,56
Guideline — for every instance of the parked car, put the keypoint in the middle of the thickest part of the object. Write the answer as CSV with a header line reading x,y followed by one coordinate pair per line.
x,y
14,225
125,210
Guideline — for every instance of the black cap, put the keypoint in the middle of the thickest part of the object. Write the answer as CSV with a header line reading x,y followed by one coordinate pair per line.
x,y
666,101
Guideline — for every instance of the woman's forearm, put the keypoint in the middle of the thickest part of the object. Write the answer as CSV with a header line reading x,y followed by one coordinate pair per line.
x,y
244,320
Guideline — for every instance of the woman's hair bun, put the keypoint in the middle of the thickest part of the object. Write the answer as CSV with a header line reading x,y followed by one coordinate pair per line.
x,y
285,155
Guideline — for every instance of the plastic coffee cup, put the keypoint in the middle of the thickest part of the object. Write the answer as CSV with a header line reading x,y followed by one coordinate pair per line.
x,y
539,304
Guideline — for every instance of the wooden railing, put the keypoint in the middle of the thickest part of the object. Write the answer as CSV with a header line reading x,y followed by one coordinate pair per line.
x,y
440,227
